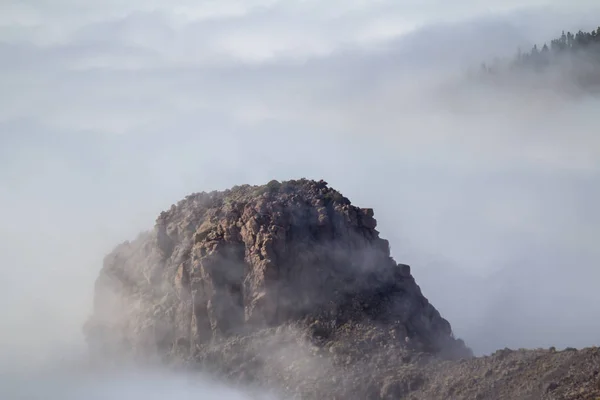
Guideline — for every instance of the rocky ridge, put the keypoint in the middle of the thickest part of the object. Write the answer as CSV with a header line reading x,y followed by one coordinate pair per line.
x,y
289,286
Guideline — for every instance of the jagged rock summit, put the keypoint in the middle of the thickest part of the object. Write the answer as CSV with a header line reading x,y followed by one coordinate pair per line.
x,y
230,263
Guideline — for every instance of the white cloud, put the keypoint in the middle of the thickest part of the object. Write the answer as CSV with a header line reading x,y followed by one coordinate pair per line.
x,y
110,111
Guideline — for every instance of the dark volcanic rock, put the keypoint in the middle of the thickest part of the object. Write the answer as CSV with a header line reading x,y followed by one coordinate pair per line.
x,y
289,286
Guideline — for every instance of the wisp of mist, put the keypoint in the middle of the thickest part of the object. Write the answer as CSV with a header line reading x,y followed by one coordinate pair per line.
x,y
120,384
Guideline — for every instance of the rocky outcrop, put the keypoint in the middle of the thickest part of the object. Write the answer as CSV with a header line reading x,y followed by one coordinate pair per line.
x,y
289,286
230,263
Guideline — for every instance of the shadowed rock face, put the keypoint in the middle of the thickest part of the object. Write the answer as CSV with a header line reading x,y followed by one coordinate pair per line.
x,y
230,263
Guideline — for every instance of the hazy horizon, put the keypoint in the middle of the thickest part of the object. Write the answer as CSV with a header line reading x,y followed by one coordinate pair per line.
x,y
112,111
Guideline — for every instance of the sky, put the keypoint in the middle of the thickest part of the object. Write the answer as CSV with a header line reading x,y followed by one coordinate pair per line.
x,y
111,111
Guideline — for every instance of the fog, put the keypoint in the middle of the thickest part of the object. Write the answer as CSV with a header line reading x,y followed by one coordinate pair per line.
x,y
69,384
111,112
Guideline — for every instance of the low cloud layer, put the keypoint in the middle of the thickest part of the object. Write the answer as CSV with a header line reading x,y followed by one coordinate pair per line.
x,y
111,112
122,384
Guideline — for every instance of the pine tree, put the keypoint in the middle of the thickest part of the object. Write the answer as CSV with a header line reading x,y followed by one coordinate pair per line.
x,y
568,45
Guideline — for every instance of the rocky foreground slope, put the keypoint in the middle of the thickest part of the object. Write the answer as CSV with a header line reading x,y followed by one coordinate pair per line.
x,y
288,286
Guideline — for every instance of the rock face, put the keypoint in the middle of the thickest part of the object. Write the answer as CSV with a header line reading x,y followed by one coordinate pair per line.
x,y
289,287
225,264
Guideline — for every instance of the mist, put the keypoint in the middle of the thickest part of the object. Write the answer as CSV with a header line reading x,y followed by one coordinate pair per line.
x,y
110,113
151,384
